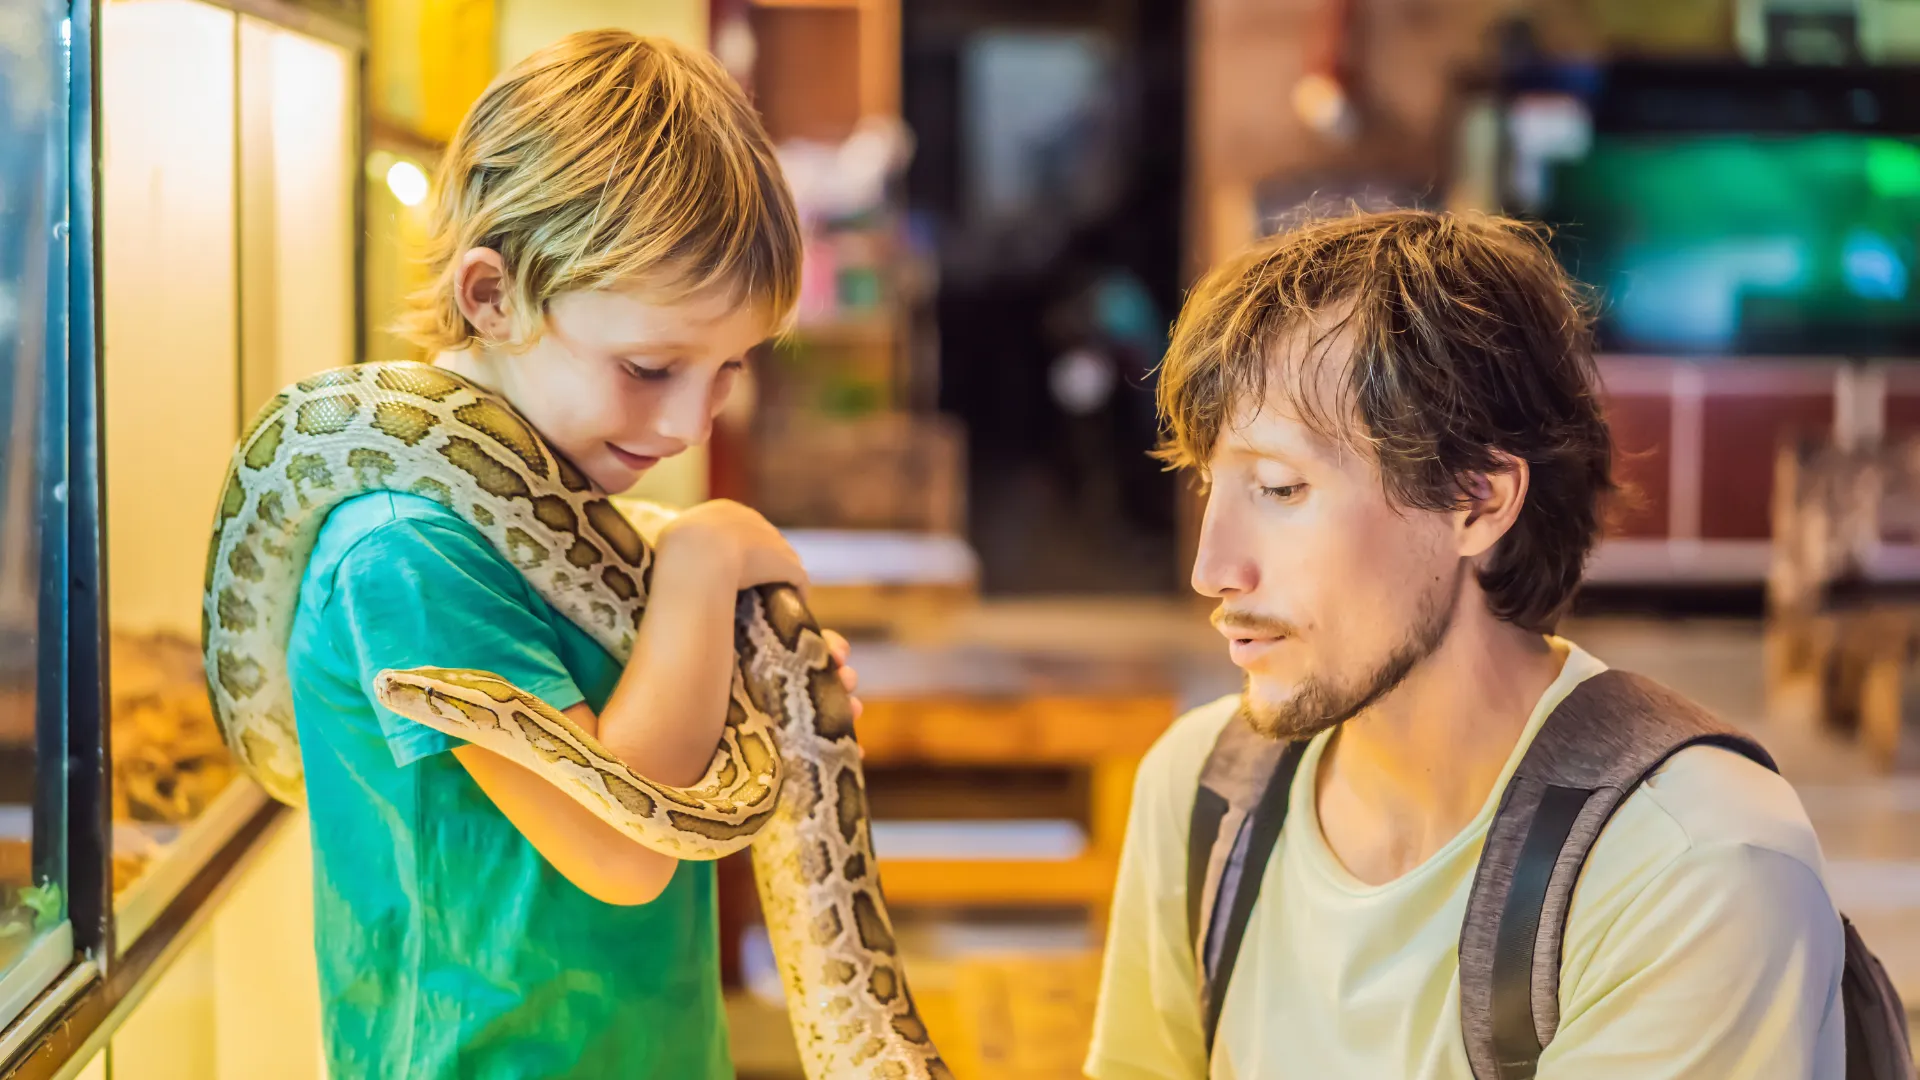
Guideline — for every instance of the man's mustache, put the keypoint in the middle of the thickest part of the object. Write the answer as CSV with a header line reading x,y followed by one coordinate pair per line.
x,y
1250,623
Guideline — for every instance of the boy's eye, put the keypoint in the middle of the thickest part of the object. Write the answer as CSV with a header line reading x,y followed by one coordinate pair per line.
x,y
1285,492
647,374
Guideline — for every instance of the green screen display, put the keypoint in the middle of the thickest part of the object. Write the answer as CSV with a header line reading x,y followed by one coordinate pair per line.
x,y
1746,244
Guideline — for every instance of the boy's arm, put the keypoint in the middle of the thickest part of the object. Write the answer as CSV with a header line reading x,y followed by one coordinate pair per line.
x,y
665,716
598,859
663,728
663,720
432,594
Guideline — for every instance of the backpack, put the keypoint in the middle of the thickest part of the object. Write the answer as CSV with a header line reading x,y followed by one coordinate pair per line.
x,y
1612,732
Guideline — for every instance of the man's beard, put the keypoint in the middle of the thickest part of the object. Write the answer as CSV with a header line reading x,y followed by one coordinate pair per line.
x,y
1316,706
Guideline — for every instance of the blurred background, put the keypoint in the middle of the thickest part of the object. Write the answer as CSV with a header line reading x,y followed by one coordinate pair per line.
x,y
1004,203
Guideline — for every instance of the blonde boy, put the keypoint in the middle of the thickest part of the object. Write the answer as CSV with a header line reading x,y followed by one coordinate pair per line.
x,y
611,237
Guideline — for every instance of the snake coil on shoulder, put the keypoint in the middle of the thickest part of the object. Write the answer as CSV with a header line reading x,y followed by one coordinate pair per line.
x,y
785,781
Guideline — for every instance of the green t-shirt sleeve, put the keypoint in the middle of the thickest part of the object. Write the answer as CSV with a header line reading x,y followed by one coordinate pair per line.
x,y
418,592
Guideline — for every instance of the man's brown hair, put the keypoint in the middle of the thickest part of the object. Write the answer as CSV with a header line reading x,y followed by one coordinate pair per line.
x,y
1467,340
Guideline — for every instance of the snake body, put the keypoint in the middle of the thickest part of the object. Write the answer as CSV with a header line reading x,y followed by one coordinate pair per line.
x,y
785,780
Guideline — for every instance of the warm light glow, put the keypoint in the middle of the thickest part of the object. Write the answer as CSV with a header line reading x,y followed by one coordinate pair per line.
x,y
407,183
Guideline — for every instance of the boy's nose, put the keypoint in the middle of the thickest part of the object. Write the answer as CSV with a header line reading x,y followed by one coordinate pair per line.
x,y
687,417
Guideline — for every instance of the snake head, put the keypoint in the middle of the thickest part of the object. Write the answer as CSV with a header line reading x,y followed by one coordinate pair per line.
x,y
478,682
403,693
437,697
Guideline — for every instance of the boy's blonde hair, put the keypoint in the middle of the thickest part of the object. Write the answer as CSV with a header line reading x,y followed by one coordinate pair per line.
x,y
608,158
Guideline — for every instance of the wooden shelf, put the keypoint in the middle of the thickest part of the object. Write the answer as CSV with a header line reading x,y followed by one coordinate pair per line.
x,y
825,64
1083,882
1041,729
884,607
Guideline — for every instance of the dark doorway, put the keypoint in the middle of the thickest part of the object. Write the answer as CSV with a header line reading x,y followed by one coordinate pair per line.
x,y
1048,179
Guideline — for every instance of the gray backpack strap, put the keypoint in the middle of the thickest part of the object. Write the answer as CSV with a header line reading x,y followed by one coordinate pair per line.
x,y
1237,816
1878,1046
1608,735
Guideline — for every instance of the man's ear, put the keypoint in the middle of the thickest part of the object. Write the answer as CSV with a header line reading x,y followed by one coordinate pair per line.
x,y
480,288
1492,502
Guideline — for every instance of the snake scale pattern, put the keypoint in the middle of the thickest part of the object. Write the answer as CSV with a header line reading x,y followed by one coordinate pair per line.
x,y
784,783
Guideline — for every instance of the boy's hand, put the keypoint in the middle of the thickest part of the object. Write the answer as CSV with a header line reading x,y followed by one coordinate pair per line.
x,y
736,542
837,645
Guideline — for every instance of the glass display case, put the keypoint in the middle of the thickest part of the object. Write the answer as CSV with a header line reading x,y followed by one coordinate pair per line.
x,y
180,210
36,935
226,272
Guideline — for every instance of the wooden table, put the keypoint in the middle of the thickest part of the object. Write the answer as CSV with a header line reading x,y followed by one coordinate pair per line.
x,y
976,706
984,708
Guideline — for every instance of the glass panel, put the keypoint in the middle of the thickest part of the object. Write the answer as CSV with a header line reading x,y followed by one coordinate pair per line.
x,y
229,147
33,336
296,199
169,296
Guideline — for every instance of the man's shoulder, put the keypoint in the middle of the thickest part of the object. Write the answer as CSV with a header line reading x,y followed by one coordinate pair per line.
x,y
1717,798
1706,807
1710,867
1706,798
1183,747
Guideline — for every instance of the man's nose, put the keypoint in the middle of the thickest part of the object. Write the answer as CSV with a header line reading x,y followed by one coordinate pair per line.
x,y
1222,564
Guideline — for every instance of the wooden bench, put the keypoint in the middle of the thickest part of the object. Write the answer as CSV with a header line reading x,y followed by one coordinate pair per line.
x,y
1853,656
1843,596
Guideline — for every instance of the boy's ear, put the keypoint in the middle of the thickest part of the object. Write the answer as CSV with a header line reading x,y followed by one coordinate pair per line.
x,y
480,288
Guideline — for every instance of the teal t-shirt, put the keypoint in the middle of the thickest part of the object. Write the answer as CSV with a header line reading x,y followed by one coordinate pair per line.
x,y
448,947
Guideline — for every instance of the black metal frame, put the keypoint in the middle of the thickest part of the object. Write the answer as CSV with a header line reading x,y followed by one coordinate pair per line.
x,y
1646,97
50,852
74,690
89,785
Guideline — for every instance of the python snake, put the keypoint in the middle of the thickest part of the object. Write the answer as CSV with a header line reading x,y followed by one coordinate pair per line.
x,y
785,779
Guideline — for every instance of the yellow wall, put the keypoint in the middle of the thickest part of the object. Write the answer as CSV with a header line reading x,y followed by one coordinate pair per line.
x,y
430,61
181,367
297,259
242,1001
456,61
395,232
526,25
170,310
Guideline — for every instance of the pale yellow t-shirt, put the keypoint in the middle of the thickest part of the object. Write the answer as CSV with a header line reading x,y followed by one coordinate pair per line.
x,y
1701,942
